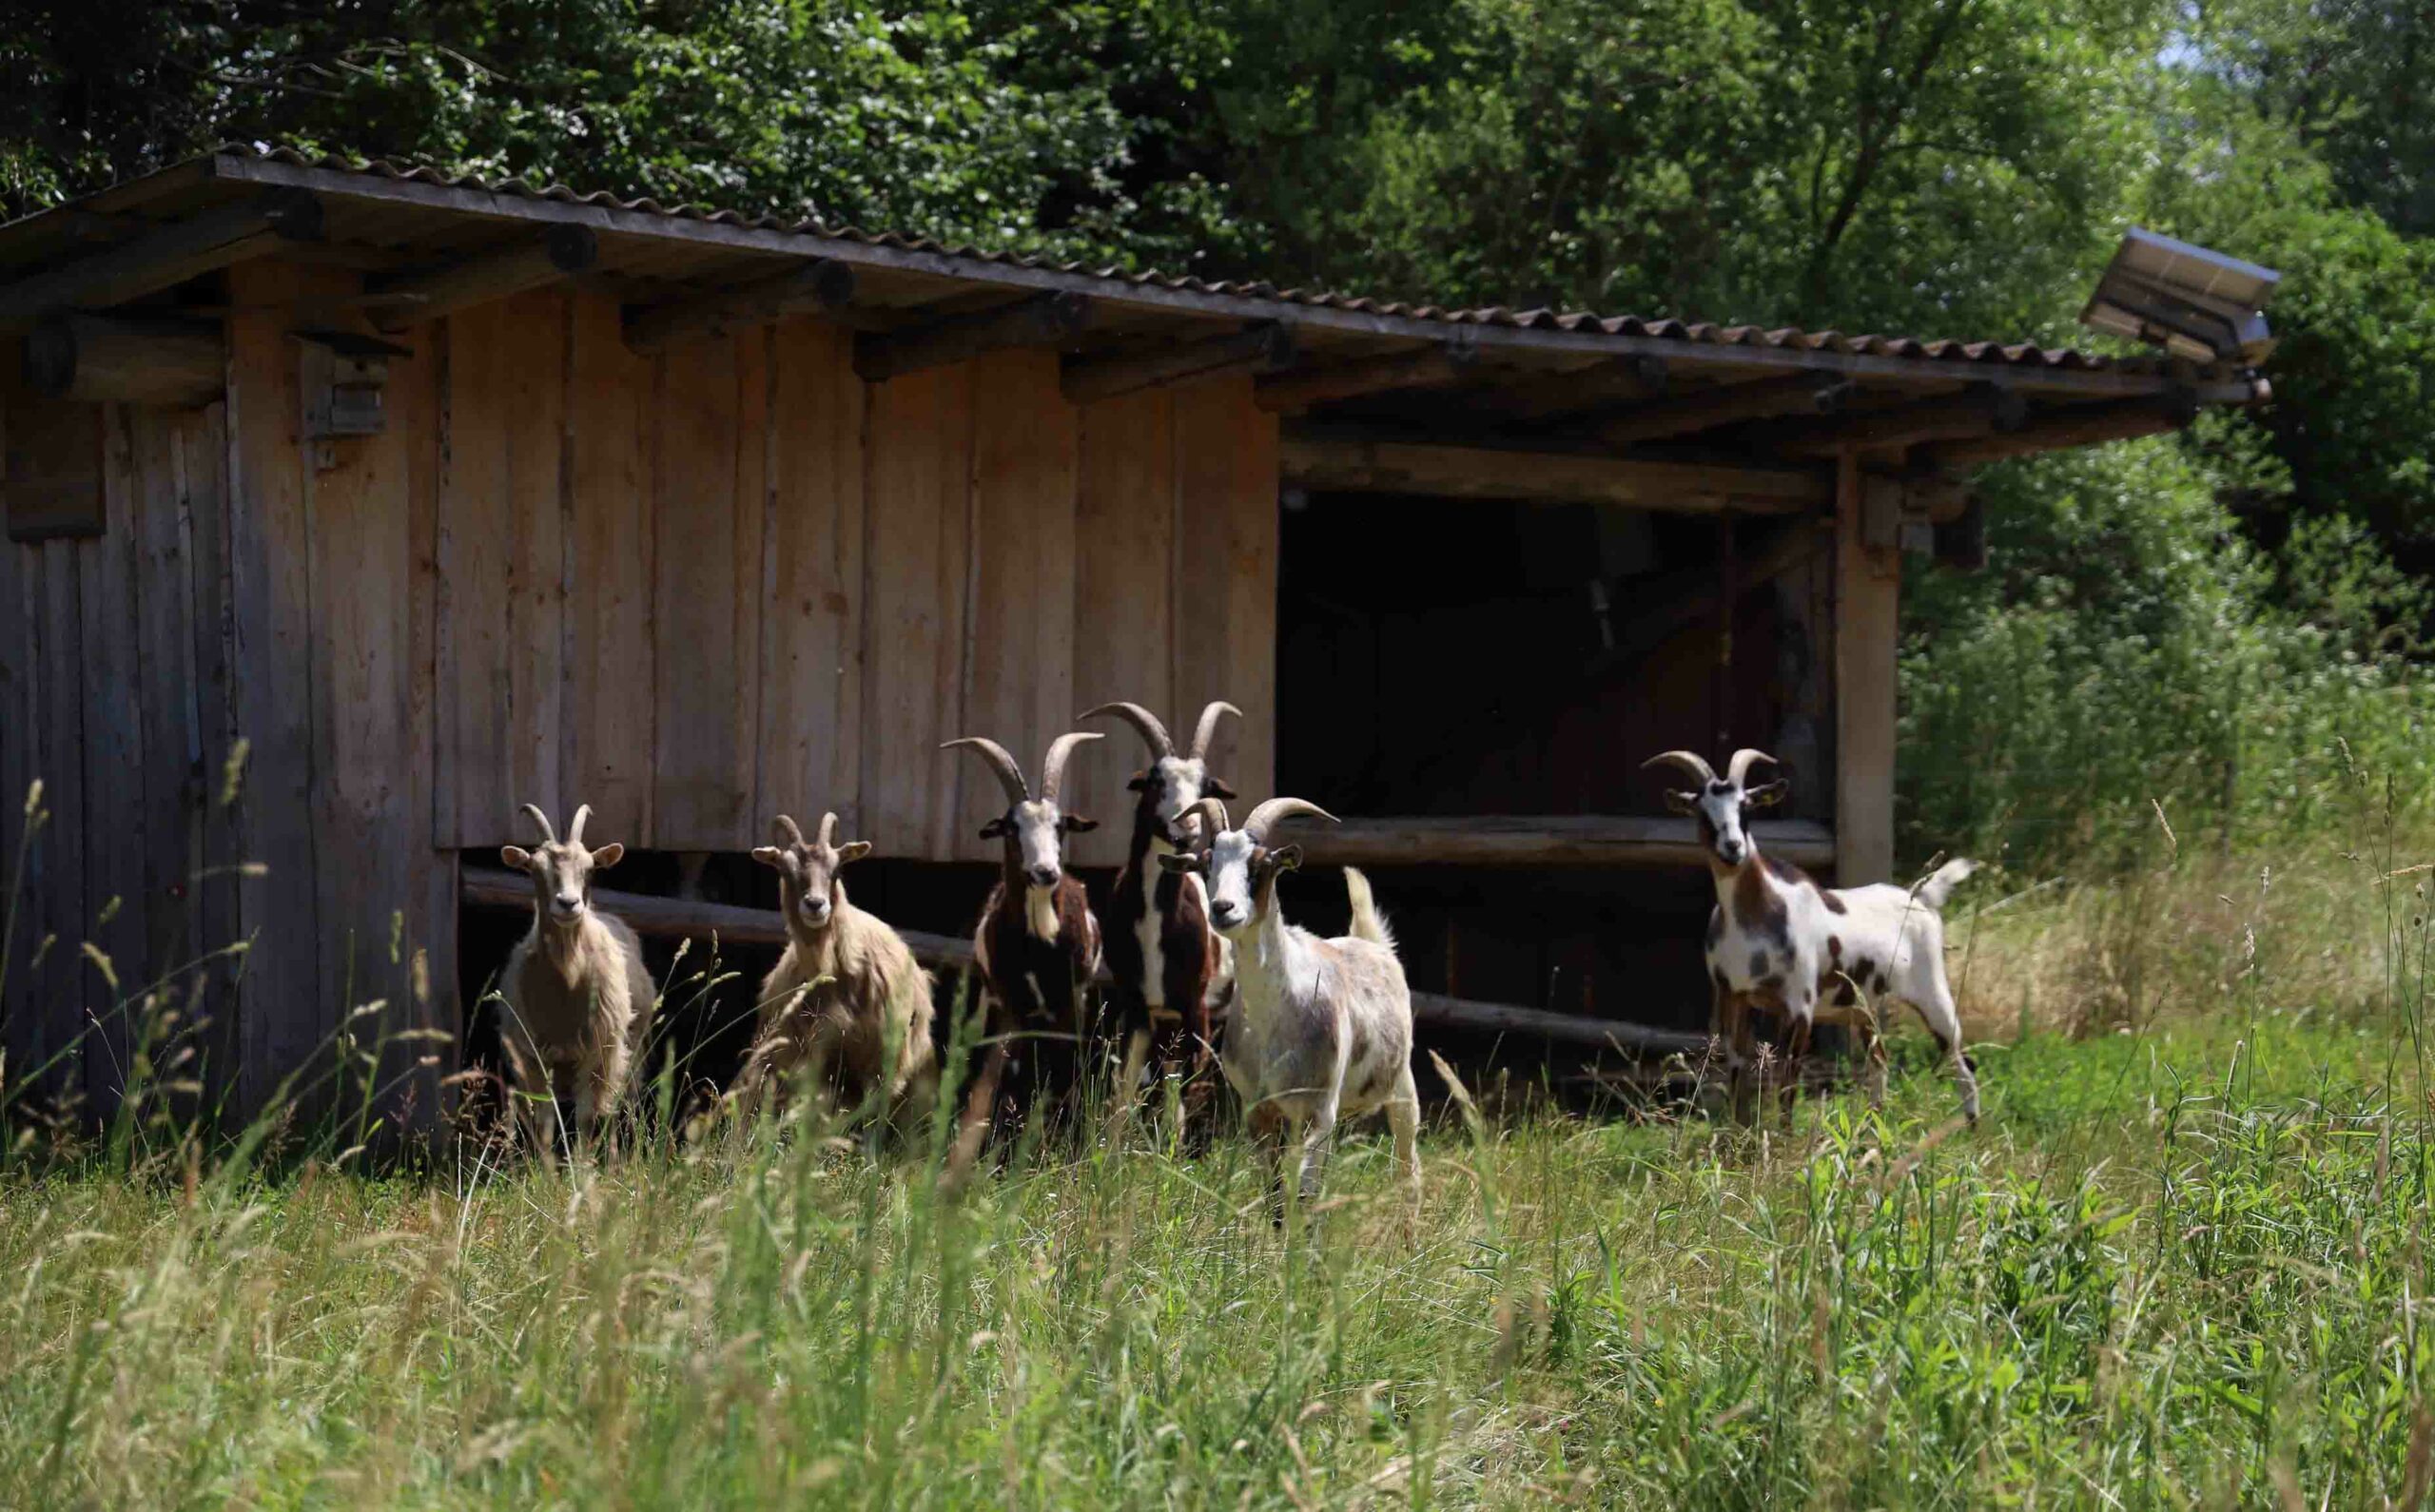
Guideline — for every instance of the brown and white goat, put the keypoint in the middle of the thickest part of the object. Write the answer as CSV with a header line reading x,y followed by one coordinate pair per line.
x,y
1037,945
1322,1029
578,999
846,1008
1779,941
1167,963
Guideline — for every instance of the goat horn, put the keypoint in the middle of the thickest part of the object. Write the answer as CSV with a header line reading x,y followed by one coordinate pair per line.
x,y
828,830
1010,776
1052,766
1213,818
1162,743
1207,730
785,831
1276,809
1739,767
1689,761
549,831
574,827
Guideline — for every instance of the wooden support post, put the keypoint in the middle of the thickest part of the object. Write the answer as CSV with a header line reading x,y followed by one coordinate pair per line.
x,y
819,286
1260,348
490,887
1433,367
172,254
1984,412
1453,472
412,298
1793,393
1728,599
103,358
2078,425
1045,319
1868,588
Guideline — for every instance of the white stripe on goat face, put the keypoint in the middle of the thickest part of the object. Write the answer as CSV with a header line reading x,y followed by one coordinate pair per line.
x,y
1177,784
1038,837
1720,812
1230,880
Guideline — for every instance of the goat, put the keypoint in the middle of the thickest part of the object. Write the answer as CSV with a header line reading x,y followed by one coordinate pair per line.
x,y
1778,941
1322,1028
847,1000
578,998
1167,963
1037,945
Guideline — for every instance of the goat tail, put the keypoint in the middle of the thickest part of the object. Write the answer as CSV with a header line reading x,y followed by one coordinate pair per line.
x,y
1938,887
1368,923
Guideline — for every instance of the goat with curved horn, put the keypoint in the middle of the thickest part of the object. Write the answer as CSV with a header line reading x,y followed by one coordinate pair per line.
x,y
1052,766
1256,824
1010,776
574,826
1739,768
549,831
829,829
1206,730
785,831
1690,760
1154,733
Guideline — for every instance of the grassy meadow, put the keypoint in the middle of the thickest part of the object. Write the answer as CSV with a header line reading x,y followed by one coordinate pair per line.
x,y
2177,1264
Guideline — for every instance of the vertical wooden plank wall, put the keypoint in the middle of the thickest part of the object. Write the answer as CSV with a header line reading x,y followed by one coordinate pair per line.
x,y
1868,586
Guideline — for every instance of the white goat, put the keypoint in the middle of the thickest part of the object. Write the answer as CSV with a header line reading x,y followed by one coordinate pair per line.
x,y
1322,1028
1778,941
578,996
847,999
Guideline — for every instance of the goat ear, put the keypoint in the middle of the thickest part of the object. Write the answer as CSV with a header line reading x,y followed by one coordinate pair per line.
x,y
1175,863
1216,788
1286,858
608,855
1141,782
1769,795
1682,802
515,856
1076,824
853,850
995,829
771,856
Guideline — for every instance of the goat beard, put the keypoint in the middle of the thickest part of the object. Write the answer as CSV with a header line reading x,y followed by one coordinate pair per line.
x,y
1040,912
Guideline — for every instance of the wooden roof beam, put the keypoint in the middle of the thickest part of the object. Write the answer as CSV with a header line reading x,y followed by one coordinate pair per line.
x,y
1045,319
1596,386
820,286
171,254
1336,464
1433,366
1984,411
411,298
1795,393
1259,348
2078,425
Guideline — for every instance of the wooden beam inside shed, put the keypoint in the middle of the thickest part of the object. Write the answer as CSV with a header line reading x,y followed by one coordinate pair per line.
x,y
101,358
1435,366
2080,425
1260,348
1797,393
684,918
1597,385
172,254
1330,463
1541,840
1045,319
411,298
1983,412
820,286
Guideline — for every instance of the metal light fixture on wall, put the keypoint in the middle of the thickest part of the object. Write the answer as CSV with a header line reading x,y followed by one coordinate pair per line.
x,y
2194,304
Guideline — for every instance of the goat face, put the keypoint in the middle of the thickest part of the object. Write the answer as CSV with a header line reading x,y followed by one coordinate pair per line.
x,y
808,869
561,873
1035,830
1171,788
1240,874
1723,806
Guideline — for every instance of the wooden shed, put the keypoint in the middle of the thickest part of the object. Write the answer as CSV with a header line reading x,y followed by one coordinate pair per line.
x,y
352,505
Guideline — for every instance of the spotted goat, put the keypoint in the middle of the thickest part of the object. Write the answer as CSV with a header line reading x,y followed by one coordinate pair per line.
x,y
1778,943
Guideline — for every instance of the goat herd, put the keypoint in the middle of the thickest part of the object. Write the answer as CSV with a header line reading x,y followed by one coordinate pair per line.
x,y
1314,1030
